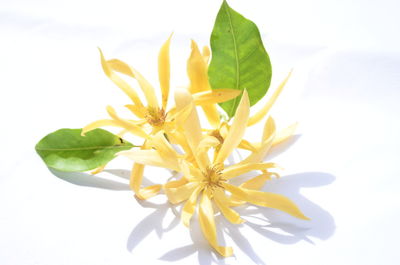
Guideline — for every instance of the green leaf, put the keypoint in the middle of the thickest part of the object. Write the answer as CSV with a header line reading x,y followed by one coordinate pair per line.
x,y
239,59
67,150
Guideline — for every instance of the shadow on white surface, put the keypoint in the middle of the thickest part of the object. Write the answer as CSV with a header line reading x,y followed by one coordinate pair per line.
x,y
94,181
153,222
269,223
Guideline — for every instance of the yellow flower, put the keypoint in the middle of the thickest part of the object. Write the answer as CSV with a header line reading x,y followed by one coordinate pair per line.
x,y
153,116
208,177
198,74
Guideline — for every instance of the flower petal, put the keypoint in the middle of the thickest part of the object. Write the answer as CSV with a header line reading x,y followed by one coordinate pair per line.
x,y
262,151
284,134
215,96
181,193
239,169
138,111
266,199
190,206
207,224
130,126
164,71
265,109
146,87
222,202
206,144
197,72
150,157
206,54
119,81
237,129
164,148
191,125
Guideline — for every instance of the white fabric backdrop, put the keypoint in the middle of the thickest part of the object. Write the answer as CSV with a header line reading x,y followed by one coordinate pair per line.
x,y
341,168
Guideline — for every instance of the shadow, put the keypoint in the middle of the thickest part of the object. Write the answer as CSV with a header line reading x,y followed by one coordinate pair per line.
x,y
88,180
270,223
152,222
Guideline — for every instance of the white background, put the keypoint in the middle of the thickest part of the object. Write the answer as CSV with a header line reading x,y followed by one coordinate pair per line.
x,y
341,168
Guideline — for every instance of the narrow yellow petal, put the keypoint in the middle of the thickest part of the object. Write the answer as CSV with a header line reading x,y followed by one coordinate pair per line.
x,y
265,146
255,183
212,115
98,170
266,199
207,224
191,125
239,169
164,148
146,87
197,70
130,126
181,193
148,192
138,111
119,81
136,177
284,134
265,109
206,54
223,204
190,206
164,71
269,129
151,158
246,145
215,96
237,129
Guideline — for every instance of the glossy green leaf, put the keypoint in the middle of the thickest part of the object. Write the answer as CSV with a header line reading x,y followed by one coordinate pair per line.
x,y
239,59
67,150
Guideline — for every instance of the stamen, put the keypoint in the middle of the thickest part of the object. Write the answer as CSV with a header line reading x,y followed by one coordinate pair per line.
x,y
213,176
156,116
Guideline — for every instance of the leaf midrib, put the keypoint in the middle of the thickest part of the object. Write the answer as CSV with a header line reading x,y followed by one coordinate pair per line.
x,y
83,149
236,57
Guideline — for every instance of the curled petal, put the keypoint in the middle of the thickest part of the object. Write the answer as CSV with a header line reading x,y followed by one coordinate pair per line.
x,y
239,169
237,129
207,224
207,143
215,96
164,71
190,206
266,199
265,109
119,81
223,204
181,193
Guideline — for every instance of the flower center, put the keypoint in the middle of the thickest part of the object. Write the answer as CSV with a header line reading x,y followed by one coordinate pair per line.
x,y
155,116
213,176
